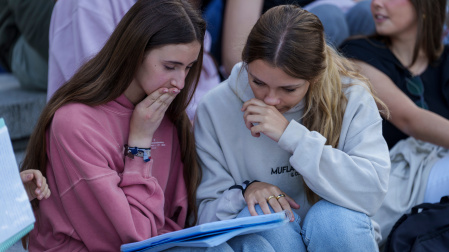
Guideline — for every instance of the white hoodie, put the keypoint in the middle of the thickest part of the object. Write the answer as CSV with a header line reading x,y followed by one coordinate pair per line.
x,y
354,175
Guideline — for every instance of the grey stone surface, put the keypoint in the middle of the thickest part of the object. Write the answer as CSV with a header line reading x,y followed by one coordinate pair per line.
x,y
19,107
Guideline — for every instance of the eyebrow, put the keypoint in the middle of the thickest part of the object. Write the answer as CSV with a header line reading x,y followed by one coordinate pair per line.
x,y
286,86
179,63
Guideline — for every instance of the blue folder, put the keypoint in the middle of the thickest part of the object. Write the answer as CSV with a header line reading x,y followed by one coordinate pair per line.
x,y
210,234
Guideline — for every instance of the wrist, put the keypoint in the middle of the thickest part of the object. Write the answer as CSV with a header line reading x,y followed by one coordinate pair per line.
x,y
132,152
245,185
142,142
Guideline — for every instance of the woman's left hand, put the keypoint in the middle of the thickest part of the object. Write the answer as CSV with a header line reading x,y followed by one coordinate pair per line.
x,y
266,194
262,118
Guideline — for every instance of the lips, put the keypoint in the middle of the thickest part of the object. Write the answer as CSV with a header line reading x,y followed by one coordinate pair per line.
x,y
379,17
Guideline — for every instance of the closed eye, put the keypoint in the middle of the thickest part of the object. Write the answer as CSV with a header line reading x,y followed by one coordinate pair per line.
x,y
289,90
169,67
258,83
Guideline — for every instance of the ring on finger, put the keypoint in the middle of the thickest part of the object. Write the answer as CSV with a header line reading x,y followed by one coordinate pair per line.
x,y
272,196
280,196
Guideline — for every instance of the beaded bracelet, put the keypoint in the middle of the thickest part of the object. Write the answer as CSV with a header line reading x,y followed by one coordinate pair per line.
x,y
132,152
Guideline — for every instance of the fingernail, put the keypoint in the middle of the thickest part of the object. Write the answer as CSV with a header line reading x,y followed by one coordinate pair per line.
x,y
175,91
38,191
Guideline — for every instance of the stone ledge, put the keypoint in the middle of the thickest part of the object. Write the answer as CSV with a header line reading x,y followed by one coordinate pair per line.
x,y
19,107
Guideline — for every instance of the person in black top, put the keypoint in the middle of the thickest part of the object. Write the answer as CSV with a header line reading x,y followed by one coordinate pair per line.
x,y
408,67
376,54
398,55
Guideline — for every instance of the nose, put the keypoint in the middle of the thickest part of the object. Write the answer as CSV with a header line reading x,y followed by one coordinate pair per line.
x,y
271,98
179,81
375,3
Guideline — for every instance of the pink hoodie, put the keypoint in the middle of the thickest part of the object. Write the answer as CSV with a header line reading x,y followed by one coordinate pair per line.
x,y
100,198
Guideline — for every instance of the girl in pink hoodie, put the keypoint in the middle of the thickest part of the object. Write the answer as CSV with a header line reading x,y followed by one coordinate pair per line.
x,y
115,142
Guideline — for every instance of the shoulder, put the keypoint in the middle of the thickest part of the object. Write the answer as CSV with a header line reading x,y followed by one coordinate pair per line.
x,y
358,95
221,97
76,120
358,48
361,112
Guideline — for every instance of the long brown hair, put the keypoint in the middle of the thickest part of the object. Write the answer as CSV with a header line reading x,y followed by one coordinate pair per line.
x,y
292,39
149,24
430,16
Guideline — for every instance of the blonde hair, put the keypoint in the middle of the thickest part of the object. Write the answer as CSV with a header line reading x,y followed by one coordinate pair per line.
x,y
292,39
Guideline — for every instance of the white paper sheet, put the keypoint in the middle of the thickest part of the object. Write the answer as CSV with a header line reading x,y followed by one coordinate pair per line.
x,y
16,215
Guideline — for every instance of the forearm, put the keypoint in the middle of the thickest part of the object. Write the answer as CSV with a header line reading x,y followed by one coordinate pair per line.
x,y
227,206
426,126
239,19
354,177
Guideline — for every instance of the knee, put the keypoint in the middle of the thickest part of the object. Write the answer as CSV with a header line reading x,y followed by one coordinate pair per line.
x,y
328,222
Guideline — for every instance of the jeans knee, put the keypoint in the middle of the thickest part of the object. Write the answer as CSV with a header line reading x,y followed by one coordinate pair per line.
x,y
336,225
283,238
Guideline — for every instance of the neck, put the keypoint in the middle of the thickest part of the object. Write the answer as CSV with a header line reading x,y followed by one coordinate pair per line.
x,y
403,48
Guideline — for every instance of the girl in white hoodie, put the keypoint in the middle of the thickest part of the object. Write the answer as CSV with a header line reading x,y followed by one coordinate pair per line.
x,y
294,127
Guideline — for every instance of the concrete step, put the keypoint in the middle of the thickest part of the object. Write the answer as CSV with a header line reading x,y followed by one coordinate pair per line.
x,y
19,107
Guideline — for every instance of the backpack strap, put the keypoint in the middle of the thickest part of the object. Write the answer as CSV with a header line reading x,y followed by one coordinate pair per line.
x,y
426,206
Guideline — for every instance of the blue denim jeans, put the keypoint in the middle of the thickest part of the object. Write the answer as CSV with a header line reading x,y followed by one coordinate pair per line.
x,y
339,26
327,227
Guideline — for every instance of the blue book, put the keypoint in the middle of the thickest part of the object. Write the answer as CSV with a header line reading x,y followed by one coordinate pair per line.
x,y
210,234
16,215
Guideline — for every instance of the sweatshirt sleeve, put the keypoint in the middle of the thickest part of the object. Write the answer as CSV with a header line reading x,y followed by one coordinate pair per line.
x,y
121,207
216,201
356,174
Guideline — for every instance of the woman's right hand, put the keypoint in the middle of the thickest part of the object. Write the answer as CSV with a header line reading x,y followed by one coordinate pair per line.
x,y
260,193
147,116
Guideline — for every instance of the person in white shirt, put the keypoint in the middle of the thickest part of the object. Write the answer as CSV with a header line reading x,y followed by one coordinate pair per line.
x,y
294,128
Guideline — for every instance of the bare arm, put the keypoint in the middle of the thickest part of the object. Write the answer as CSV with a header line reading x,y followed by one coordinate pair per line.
x,y
239,19
404,114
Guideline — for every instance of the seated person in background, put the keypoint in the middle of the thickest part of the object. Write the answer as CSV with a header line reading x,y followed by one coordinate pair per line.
x,y
294,125
24,40
80,28
408,66
240,16
35,184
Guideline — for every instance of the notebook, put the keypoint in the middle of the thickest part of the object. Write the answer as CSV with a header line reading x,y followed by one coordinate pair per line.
x,y
16,214
210,234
